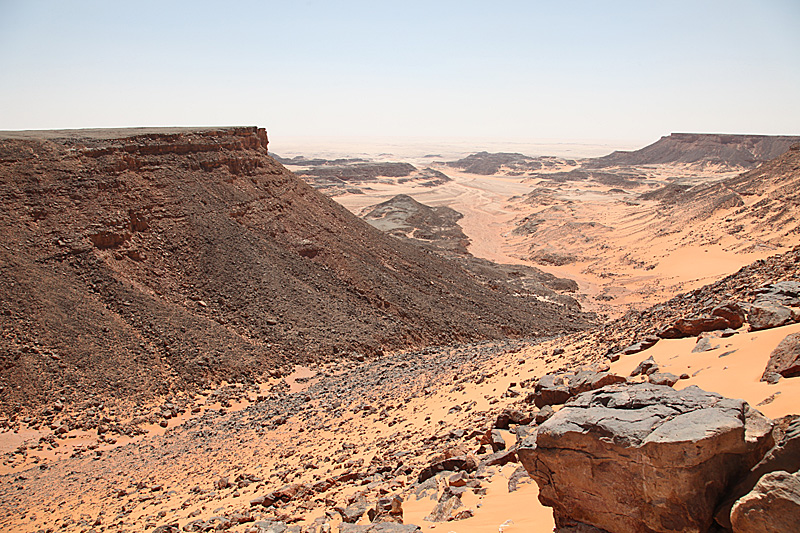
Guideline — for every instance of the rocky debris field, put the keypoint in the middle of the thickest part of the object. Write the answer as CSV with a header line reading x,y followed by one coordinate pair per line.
x,y
358,439
766,292
404,217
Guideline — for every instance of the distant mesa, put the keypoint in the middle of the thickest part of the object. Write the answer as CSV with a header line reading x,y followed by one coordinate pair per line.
x,y
487,164
742,151
342,176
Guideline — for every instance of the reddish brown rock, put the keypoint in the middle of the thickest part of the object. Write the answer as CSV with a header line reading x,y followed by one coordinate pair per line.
x,y
785,358
633,458
772,506
551,389
588,380
732,312
691,327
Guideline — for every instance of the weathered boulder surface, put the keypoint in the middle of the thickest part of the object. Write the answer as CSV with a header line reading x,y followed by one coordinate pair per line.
x,y
768,315
643,457
732,312
555,389
551,389
691,327
782,292
785,358
773,505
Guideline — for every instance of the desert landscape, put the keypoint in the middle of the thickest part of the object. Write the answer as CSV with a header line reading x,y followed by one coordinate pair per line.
x,y
200,334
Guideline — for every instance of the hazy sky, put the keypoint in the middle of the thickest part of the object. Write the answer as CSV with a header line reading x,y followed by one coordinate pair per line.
x,y
632,70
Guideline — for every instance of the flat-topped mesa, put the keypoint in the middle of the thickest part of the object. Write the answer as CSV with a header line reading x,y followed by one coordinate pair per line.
x,y
189,142
732,150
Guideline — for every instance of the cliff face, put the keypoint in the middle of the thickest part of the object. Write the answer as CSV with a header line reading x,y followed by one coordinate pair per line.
x,y
154,260
745,151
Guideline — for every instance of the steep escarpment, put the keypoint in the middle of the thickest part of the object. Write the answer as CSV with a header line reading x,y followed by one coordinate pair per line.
x,y
144,262
762,201
746,151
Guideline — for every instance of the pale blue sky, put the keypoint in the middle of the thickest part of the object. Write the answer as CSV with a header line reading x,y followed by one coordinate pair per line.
x,y
632,70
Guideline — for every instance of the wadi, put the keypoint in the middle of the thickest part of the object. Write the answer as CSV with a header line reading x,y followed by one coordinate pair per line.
x,y
199,334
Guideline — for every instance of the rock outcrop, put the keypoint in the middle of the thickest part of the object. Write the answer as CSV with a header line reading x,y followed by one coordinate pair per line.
x,y
632,458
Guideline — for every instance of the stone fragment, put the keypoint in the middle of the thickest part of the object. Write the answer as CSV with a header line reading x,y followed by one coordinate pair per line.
x,y
732,312
642,345
498,459
512,416
704,345
785,358
445,509
544,413
463,514
458,480
389,509
171,528
353,512
632,458
496,440
691,327
768,315
268,526
663,378
551,389
646,367
587,380
772,506
519,477
467,463
524,431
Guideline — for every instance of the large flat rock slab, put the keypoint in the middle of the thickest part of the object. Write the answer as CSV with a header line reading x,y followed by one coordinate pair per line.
x,y
633,458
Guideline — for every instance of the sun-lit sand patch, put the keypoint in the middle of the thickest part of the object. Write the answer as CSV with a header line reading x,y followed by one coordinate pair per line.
x,y
733,368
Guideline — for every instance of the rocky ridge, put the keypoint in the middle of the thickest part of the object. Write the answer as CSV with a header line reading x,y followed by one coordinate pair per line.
x,y
743,151
157,261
